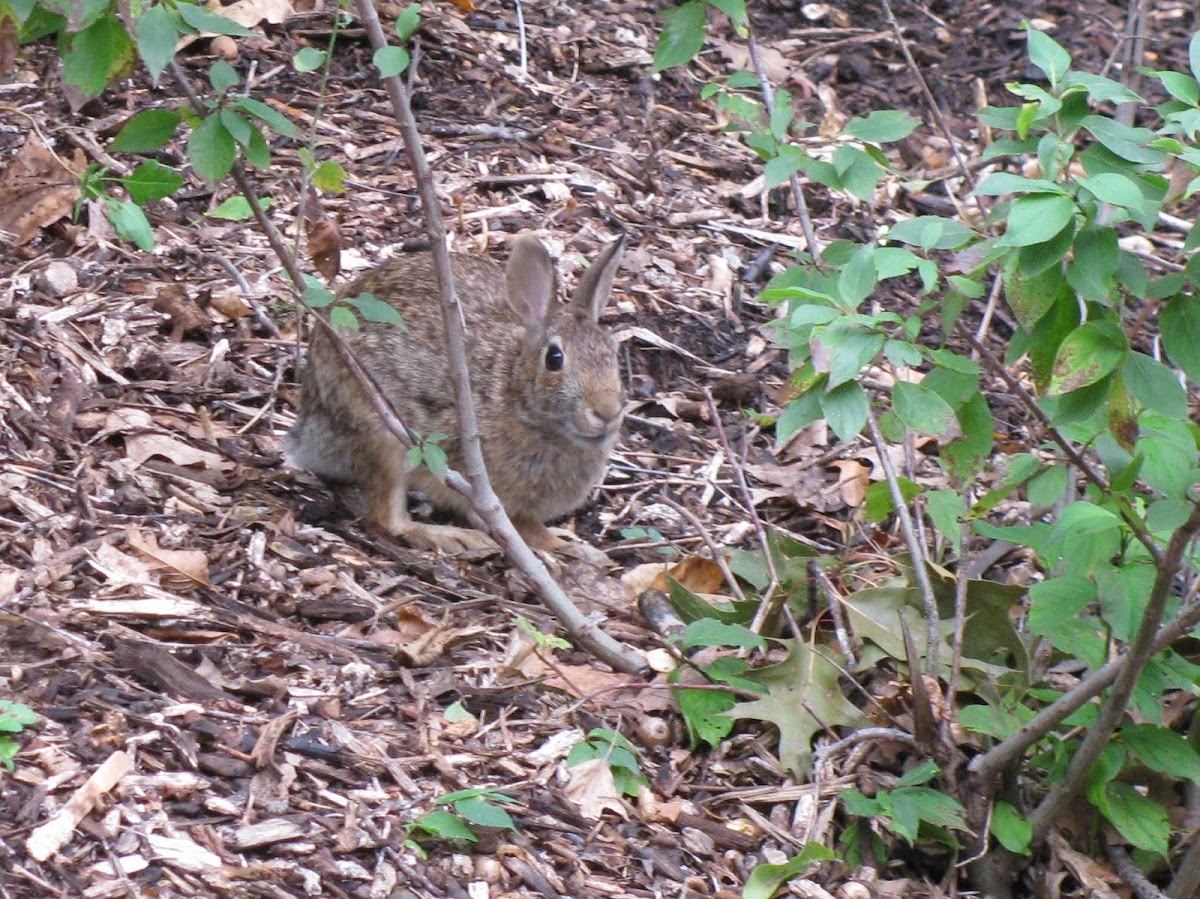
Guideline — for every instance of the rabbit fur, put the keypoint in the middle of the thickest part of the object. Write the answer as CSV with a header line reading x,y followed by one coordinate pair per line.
x,y
544,376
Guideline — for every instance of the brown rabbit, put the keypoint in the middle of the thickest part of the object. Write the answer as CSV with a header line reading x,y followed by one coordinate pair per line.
x,y
544,376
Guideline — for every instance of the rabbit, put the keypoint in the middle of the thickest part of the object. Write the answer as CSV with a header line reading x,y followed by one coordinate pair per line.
x,y
544,375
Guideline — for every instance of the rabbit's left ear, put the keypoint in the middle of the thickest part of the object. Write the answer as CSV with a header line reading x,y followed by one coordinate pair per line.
x,y
595,287
529,279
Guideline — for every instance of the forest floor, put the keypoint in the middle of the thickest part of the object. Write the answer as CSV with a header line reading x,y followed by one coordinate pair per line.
x,y
290,687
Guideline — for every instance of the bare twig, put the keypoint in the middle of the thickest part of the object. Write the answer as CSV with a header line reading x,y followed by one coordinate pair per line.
x,y
768,95
483,498
933,637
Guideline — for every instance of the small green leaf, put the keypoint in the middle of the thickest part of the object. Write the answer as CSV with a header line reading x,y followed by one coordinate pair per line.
x,y
237,125
923,410
1036,218
1047,54
235,209
205,20
222,76
329,177
316,294
1088,354
435,458
882,126
479,811
1155,386
211,149
129,222
710,632
343,320
845,408
1163,750
932,232
152,181
156,36
1012,831
391,61
408,21
309,59
274,120
1194,55
1140,820
1179,325
146,132
764,881
703,712
376,310
446,825
682,35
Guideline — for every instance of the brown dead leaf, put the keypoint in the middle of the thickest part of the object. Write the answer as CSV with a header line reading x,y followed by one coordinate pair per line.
x,y
658,811
140,447
119,569
853,480
179,569
593,790
37,189
183,313
231,303
697,574
325,246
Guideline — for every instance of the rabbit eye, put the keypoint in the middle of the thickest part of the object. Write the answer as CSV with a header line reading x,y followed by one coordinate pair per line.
x,y
554,357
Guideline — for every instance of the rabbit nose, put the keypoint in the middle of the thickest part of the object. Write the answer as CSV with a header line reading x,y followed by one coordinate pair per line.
x,y
607,409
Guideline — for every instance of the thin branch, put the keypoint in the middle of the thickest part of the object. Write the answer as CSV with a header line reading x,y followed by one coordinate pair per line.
x,y
1137,656
484,500
933,637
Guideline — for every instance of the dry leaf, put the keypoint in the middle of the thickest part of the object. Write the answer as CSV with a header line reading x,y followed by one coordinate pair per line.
x,y
853,480
181,569
593,790
119,569
37,189
140,447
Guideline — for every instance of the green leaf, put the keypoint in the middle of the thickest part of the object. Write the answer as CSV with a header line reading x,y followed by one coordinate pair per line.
x,y
329,177
1058,600
682,36
255,150
1194,55
446,825
1123,140
152,181
309,59
237,125
845,408
1035,219
435,458
882,126
391,61
274,120
735,9
704,713
93,56
129,222
343,320
1142,821
1000,183
923,410
211,149
222,76
1179,325
203,19
235,209
804,696
932,232
146,132
1115,188
878,503
376,310
1163,750
1180,86
1031,297
1087,355
1047,54
408,21
765,880
156,35
1012,831
1155,386
710,632
479,811
922,774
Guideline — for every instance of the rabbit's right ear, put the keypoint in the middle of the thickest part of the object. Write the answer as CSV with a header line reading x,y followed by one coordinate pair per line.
x,y
529,278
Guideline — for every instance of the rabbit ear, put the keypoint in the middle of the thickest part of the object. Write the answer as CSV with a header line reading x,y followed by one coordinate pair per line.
x,y
529,278
595,287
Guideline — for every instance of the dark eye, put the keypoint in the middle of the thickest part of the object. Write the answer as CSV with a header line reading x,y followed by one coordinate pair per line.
x,y
554,358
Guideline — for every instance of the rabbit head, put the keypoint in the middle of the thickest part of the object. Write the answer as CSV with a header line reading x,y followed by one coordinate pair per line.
x,y
566,379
